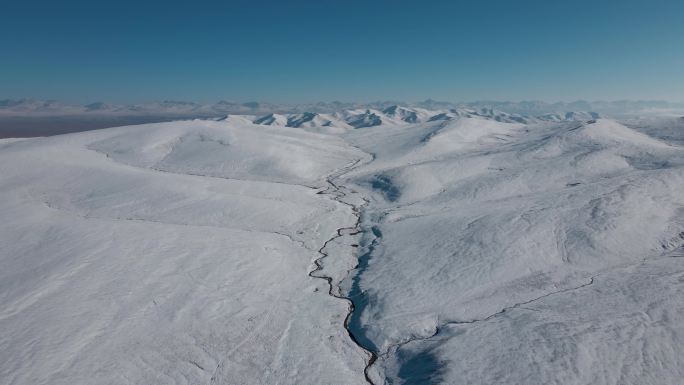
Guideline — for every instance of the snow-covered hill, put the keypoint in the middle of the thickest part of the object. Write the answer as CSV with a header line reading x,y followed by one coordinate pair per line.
x,y
382,244
172,253
479,222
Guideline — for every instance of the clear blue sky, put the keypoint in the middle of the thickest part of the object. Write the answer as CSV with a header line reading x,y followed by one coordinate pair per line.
x,y
352,50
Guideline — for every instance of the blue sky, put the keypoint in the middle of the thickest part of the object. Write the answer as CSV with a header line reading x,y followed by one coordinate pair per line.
x,y
351,50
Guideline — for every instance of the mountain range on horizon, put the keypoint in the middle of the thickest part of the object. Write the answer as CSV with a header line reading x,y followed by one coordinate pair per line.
x,y
28,107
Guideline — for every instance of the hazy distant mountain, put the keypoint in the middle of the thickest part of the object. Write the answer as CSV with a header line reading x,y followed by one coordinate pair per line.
x,y
407,112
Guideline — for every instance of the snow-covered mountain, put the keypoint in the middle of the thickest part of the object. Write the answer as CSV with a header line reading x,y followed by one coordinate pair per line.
x,y
403,115
272,120
361,245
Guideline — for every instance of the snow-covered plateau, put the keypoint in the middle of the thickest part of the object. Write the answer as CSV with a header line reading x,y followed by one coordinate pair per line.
x,y
397,245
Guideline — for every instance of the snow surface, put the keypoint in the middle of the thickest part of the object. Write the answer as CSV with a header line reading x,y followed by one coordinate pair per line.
x,y
397,245
123,262
476,217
